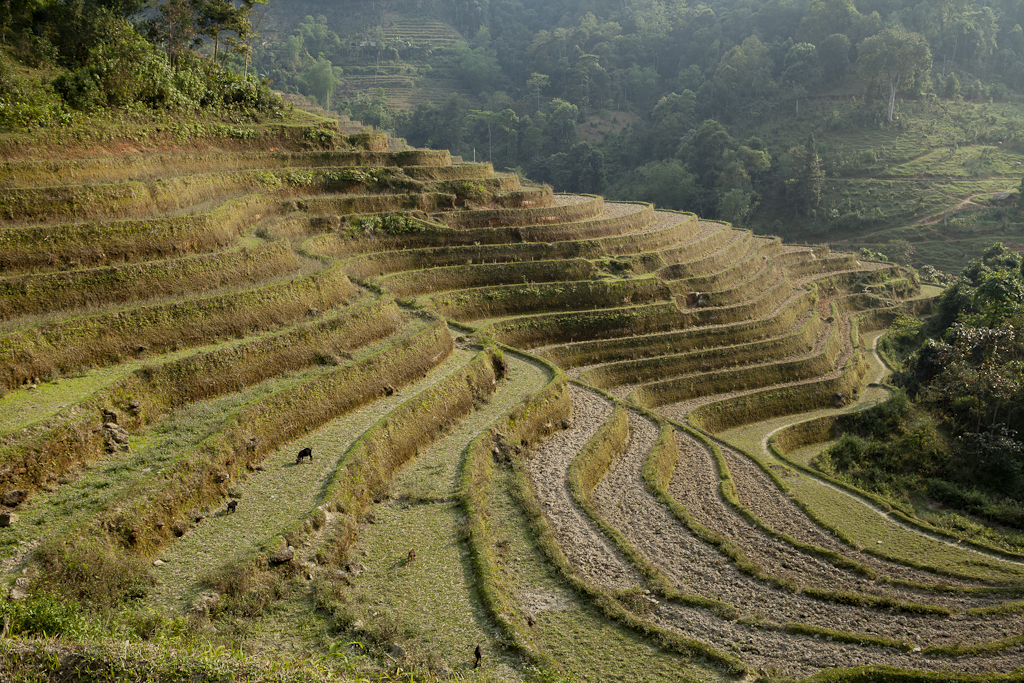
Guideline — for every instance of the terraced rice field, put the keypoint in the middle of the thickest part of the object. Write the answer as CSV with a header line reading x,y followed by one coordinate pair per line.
x,y
545,425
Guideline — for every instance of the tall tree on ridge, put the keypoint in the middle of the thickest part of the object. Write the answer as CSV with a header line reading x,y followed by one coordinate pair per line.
x,y
895,57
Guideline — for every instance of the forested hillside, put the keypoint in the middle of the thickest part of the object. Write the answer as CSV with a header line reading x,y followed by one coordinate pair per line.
x,y
824,120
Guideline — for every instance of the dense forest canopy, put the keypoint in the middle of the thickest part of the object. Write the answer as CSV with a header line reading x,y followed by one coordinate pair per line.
x,y
687,104
128,54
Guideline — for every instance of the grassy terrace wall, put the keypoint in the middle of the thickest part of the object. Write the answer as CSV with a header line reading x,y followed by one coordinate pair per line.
x,y
565,213
731,275
28,294
583,240
458,172
65,346
143,520
801,397
760,277
148,394
715,251
688,235
487,274
617,231
404,257
709,357
554,328
749,309
820,265
384,263
677,341
64,245
325,211
135,198
796,436
134,167
492,302
745,378
597,457
527,197
373,459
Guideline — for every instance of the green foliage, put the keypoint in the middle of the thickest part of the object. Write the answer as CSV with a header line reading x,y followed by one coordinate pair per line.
x,y
886,448
666,184
896,58
904,336
974,501
388,224
372,110
320,138
898,251
321,79
43,614
109,63
970,373
479,69
152,624
27,106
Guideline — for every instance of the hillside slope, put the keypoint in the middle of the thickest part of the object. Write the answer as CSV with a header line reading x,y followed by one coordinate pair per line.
x,y
508,397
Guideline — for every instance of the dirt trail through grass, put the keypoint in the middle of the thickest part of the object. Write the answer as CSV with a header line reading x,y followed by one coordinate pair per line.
x,y
759,494
274,499
430,601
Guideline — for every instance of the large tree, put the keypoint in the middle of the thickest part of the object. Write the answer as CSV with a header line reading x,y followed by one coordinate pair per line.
x,y
894,57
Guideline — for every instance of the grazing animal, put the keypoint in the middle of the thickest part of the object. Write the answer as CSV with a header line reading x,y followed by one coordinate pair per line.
x,y
304,453
232,504
412,556
479,655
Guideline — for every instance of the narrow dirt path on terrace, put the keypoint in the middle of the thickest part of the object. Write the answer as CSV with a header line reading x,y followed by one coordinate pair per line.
x,y
779,559
272,500
757,489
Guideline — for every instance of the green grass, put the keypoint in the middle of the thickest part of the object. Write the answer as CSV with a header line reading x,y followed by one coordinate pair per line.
x,y
102,484
433,598
894,182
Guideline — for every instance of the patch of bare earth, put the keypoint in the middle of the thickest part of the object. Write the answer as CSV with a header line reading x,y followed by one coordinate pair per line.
x,y
699,569
593,555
